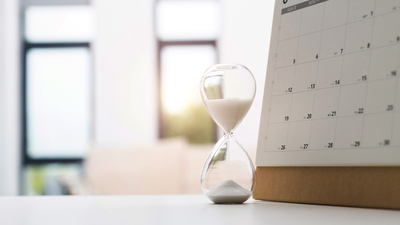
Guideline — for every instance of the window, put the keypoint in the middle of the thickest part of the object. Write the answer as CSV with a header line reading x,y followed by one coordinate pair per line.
x,y
58,102
186,35
57,92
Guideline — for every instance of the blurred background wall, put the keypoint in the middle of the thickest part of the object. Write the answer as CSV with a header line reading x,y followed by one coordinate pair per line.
x,y
73,107
126,80
10,110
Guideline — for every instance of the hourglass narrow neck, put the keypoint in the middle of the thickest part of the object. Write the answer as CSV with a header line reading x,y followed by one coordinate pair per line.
x,y
228,133
230,136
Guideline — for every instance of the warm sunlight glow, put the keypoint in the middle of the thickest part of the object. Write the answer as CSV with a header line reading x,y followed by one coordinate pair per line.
x,y
174,99
182,68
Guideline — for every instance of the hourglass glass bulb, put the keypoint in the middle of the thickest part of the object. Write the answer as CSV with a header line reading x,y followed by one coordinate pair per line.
x,y
229,112
228,91
228,175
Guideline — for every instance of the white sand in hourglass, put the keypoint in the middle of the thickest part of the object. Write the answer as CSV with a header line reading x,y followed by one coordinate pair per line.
x,y
228,112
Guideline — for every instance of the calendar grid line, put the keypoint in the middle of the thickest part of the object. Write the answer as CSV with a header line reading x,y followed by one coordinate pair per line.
x,y
339,117
336,86
316,82
344,54
295,67
301,5
334,27
395,101
341,75
369,69
272,88
333,149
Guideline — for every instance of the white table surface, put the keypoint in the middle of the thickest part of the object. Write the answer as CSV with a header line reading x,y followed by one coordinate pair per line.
x,y
174,209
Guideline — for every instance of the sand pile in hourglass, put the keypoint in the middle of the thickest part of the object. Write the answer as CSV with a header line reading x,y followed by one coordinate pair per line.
x,y
229,191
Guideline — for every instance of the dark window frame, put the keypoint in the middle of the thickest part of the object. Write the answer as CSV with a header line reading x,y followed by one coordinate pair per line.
x,y
27,46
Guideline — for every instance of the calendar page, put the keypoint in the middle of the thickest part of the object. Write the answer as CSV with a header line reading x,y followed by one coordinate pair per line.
x,y
332,92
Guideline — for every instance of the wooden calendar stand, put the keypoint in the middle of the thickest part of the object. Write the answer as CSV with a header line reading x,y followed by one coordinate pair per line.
x,y
374,187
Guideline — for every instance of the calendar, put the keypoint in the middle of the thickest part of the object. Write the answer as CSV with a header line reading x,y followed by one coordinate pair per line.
x,y
332,91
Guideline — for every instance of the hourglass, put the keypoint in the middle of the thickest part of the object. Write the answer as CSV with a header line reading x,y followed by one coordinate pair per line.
x,y
228,174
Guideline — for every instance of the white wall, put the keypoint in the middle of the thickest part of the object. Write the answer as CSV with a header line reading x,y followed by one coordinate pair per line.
x,y
2,86
9,98
125,68
245,40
